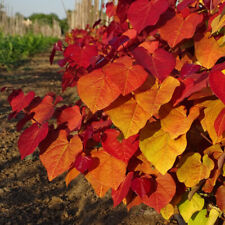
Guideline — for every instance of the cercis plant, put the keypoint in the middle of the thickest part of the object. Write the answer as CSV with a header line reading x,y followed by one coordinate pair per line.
x,y
150,121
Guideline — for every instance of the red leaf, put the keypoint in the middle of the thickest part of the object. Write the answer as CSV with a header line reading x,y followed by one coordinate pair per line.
x,y
44,110
124,150
142,186
220,197
143,13
217,84
220,123
164,193
119,194
190,85
30,139
110,9
19,101
71,116
81,56
83,163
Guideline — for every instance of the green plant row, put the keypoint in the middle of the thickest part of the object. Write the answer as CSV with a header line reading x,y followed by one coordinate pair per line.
x,y
14,50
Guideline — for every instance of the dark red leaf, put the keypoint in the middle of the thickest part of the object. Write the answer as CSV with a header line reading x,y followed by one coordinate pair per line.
x,y
83,163
188,69
30,138
154,62
217,84
142,186
119,194
23,121
69,79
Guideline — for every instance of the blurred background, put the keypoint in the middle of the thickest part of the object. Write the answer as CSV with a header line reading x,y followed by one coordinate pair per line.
x,y
28,27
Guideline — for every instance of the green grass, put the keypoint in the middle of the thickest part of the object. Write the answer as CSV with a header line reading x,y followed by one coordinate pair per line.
x,y
15,50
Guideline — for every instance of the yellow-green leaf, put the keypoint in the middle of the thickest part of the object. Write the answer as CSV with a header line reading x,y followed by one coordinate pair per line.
x,y
159,148
199,218
188,208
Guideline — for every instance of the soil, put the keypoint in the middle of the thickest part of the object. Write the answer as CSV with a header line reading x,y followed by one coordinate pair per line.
x,y
26,195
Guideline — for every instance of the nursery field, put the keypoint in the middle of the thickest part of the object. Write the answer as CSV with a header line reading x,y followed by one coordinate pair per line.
x,y
15,50
26,195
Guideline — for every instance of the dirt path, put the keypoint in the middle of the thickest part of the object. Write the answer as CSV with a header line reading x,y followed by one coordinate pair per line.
x,y
26,195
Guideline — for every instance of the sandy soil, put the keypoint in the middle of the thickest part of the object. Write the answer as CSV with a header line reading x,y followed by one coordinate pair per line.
x,y
26,195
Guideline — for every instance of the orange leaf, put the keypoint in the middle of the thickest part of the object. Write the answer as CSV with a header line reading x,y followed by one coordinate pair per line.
x,y
208,56
99,189
157,95
71,116
109,171
44,110
125,75
164,193
128,116
191,170
159,148
178,28
175,121
72,174
60,154
96,90
150,46
145,166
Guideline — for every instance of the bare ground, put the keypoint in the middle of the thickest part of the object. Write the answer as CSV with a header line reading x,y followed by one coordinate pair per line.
x,y
26,195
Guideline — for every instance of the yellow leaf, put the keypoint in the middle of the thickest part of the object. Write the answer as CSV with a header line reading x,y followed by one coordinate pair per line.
x,y
127,115
157,95
175,121
207,56
167,211
191,170
188,208
159,148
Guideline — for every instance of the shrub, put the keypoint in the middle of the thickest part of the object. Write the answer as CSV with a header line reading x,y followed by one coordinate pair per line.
x,y
149,124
